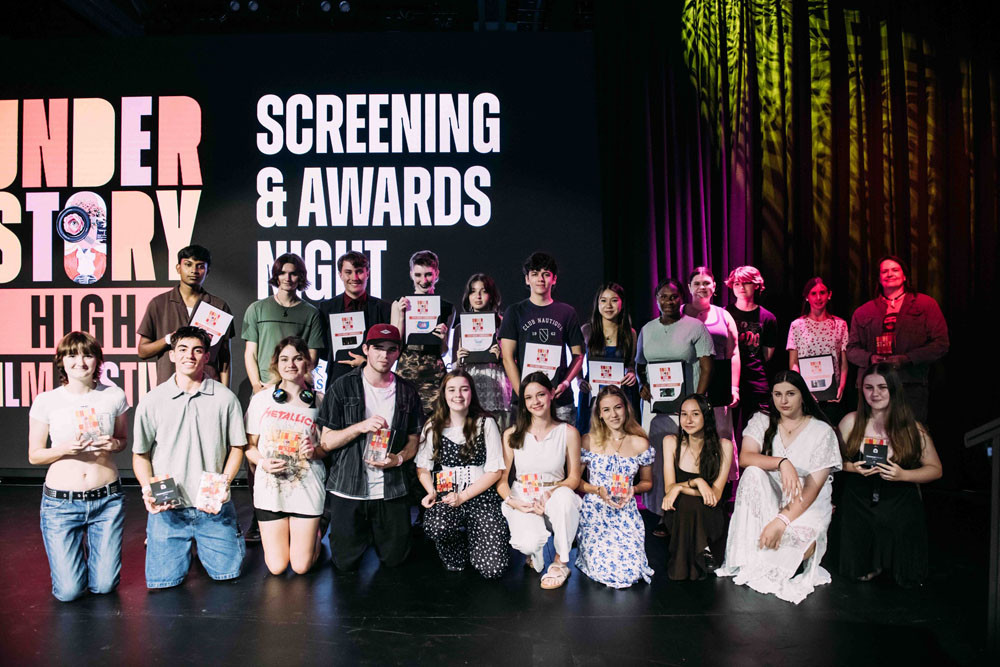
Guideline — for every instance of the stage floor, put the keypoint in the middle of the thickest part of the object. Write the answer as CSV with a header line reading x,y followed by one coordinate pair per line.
x,y
421,614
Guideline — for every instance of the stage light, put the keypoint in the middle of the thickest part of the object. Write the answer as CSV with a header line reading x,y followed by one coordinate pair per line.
x,y
234,5
253,6
325,6
345,6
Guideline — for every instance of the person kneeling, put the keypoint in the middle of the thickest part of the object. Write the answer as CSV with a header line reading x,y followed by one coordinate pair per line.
x,y
288,491
82,495
459,461
612,538
546,453
780,521
695,470
182,430
888,454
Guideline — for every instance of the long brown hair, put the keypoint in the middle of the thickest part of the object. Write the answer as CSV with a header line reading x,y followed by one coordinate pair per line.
x,y
900,425
599,431
809,406
441,417
710,459
523,421
625,342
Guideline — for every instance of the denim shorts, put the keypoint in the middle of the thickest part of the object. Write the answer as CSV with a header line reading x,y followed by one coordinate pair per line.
x,y
77,568
170,533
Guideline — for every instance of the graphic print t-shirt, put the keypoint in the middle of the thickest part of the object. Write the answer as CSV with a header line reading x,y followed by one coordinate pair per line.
x,y
554,324
282,431
758,329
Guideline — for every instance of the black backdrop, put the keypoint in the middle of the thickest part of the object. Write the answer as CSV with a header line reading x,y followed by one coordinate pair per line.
x,y
543,182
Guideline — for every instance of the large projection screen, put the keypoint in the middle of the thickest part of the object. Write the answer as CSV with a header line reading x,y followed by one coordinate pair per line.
x,y
482,148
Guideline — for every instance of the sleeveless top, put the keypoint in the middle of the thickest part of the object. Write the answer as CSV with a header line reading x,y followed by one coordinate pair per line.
x,y
547,458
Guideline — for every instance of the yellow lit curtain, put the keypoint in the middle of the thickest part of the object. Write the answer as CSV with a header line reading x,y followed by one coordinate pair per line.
x,y
847,132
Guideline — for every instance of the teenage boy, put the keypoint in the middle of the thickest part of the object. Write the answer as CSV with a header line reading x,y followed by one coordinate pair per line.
x,y
542,320
172,310
421,361
283,314
188,425
758,336
354,271
367,500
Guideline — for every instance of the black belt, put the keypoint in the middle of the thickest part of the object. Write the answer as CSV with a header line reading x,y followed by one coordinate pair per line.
x,y
93,494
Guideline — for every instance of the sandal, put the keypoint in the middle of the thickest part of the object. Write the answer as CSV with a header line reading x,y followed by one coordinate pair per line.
x,y
555,576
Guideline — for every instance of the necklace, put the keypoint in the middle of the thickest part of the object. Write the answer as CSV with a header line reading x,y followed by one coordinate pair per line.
x,y
789,432
620,442
893,299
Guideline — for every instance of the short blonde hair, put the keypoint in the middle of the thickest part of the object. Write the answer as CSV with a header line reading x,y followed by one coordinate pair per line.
x,y
745,274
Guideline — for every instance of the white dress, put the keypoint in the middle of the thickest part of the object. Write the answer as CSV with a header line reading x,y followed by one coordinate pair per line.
x,y
758,500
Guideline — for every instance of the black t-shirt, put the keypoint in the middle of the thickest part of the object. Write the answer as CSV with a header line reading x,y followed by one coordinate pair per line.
x,y
554,324
758,328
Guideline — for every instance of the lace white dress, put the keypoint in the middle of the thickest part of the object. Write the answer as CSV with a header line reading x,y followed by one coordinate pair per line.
x,y
758,500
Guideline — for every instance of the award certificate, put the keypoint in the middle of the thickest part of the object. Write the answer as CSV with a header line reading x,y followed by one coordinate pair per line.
x,y
539,357
422,317
347,330
818,374
604,372
211,319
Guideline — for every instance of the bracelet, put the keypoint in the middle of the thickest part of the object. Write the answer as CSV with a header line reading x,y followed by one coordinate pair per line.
x,y
780,462
784,519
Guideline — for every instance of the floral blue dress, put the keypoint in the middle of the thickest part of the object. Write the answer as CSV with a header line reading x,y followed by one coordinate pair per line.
x,y
612,542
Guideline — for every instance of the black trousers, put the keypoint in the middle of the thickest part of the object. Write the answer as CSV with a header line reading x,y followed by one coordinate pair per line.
x,y
357,524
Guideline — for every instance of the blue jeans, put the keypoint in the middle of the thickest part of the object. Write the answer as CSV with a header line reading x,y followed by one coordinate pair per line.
x,y
75,568
169,535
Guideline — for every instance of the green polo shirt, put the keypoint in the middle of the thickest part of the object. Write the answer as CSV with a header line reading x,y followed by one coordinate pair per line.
x,y
188,433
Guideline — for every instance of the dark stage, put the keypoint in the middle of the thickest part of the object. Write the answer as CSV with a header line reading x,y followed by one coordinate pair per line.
x,y
421,614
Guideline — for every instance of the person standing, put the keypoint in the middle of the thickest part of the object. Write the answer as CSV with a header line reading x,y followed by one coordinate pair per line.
x,y
758,336
492,386
279,316
354,271
541,320
187,426
671,337
820,333
172,310
367,496
421,362
900,327
82,495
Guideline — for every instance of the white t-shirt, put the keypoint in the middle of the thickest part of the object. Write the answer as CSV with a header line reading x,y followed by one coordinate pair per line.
x,y
94,411
465,475
378,401
282,429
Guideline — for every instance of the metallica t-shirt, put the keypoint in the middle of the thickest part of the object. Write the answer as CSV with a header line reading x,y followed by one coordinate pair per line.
x,y
554,324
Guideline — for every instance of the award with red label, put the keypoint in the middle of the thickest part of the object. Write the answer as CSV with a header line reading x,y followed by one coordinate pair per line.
x,y
422,318
377,446
818,374
620,483
478,336
212,492
444,482
666,385
531,486
875,451
543,358
347,331
604,372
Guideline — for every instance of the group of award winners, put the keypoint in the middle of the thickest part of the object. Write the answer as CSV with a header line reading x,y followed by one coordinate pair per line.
x,y
503,429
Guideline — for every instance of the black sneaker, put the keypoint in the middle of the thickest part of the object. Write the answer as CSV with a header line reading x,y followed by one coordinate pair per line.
x,y
253,532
